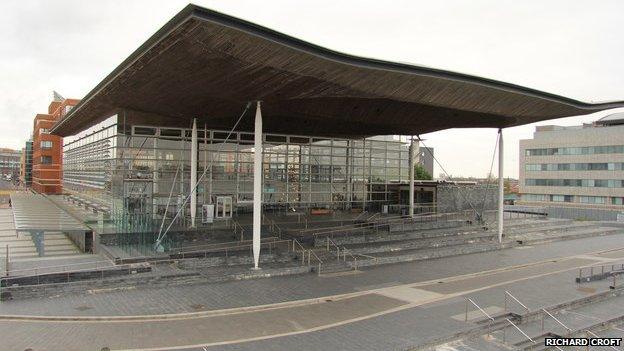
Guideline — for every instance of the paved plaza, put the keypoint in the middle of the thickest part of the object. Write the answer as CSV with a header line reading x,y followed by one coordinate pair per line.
x,y
387,307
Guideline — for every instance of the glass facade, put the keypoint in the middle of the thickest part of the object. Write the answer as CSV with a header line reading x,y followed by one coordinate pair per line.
x,y
133,169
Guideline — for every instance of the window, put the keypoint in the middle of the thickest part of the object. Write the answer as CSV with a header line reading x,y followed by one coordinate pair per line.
x,y
144,131
46,160
589,150
592,199
533,197
44,131
46,144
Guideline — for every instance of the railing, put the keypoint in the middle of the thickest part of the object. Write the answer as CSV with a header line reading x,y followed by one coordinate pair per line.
x,y
360,228
591,333
507,319
518,329
599,272
544,312
226,250
331,244
76,274
238,230
296,246
375,215
58,268
318,260
507,293
216,246
477,306
360,216
273,227
101,267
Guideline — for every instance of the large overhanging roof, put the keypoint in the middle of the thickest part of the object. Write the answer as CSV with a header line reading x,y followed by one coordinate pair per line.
x,y
208,65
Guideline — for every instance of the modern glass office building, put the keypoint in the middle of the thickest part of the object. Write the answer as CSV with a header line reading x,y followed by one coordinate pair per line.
x,y
142,169
576,166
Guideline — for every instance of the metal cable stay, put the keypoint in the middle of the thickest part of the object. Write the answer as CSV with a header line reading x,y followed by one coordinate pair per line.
x,y
479,215
161,235
487,187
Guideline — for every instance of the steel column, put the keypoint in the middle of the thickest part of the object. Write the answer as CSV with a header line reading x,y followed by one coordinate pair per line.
x,y
411,177
193,172
257,186
501,185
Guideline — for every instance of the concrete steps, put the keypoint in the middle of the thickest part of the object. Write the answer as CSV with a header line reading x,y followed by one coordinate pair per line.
x,y
452,246
578,318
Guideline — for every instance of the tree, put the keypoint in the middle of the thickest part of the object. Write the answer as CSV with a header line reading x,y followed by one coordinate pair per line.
x,y
420,173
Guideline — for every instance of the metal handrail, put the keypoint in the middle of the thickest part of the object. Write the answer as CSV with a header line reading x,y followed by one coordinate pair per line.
x,y
320,262
384,221
358,217
295,244
242,230
225,249
613,266
217,245
64,267
518,329
507,293
477,306
556,320
332,243
596,336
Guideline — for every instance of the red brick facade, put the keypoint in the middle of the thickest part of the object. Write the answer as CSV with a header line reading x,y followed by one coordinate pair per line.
x,y
47,170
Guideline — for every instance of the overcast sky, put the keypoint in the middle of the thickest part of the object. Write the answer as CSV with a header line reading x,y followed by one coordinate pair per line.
x,y
571,48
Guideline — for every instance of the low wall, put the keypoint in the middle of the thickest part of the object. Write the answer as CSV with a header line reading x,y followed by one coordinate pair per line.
x,y
589,214
454,198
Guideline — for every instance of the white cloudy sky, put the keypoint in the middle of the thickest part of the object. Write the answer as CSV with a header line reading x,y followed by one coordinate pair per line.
x,y
571,48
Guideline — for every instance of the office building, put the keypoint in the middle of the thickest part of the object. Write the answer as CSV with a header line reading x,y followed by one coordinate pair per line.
x,y
577,166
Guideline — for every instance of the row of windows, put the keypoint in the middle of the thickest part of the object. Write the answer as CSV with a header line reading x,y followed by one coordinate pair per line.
x,y
597,183
588,150
599,200
574,166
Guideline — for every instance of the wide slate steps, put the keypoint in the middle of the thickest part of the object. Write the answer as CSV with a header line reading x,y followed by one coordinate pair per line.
x,y
578,319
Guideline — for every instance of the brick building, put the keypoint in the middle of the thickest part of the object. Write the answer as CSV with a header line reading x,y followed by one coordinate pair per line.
x,y
47,149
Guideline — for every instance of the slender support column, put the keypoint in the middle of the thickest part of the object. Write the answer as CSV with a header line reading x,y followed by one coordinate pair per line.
x,y
410,164
193,173
501,186
257,186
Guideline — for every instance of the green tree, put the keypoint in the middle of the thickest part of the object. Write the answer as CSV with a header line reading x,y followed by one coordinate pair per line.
x,y
420,173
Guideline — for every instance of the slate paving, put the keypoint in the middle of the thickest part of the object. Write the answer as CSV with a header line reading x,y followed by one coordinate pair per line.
x,y
187,298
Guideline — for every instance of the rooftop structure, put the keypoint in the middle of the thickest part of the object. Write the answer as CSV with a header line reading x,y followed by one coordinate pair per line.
x,y
305,89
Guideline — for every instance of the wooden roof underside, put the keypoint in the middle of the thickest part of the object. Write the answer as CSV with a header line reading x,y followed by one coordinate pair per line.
x,y
208,65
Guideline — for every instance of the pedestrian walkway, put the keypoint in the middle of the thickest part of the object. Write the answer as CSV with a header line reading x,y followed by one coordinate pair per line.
x,y
430,306
21,247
